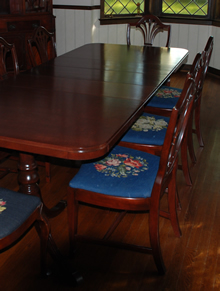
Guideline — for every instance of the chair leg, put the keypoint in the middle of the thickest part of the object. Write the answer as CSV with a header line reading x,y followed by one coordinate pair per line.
x,y
190,140
155,239
72,213
184,160
43,230
197,123
178,203
172,203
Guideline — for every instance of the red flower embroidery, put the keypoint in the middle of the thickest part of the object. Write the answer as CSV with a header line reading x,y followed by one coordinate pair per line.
x,y
99,167
122,156
133,163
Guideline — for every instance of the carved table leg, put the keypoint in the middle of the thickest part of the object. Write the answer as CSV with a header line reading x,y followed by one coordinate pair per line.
x,y
28,179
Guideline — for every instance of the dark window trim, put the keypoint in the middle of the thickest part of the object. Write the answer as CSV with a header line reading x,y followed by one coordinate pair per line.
x,y
124,20
76,7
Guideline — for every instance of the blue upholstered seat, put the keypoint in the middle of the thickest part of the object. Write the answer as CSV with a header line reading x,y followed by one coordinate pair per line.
x,y
15,209
148,129
123,172
165,97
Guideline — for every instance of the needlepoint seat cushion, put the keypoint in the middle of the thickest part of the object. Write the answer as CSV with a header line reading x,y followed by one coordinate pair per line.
x,y
165,97
148,129
15,208
123,172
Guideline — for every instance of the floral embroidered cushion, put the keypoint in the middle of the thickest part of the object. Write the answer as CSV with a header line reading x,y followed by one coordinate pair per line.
x,y
148,129
123,172
19,208
2,205
165,97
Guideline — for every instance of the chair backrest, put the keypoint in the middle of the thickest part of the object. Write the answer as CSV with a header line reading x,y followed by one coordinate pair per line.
x,y
180,116
42,46
7,52
150,26
179,119
205,60
176,129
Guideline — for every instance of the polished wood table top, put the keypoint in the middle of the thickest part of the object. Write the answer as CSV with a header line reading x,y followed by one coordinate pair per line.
x,y
79,105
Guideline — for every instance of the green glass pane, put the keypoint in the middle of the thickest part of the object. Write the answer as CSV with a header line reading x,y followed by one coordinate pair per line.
x,y
122,6
203,11
132,7
168,11
117,7
185,7
184,12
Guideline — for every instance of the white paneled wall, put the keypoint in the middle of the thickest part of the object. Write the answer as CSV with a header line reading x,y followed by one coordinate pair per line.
x,y
75,28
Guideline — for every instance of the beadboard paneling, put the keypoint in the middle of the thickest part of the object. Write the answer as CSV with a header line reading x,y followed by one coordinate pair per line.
x,y
75,28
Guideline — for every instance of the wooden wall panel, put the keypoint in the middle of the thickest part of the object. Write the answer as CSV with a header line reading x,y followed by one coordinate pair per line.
x,y
71,28
95,25
215,60
174,35
61,30
192,40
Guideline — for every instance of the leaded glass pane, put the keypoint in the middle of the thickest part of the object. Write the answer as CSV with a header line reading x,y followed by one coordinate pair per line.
x,y
123,7
185,7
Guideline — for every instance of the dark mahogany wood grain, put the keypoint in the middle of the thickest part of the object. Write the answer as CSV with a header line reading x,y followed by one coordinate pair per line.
x,y
79,105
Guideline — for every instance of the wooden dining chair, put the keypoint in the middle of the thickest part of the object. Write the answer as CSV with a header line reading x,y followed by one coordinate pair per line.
x,y
9,67
8,56
166,97
150,25
197,107
18,213
42,46
149,131
130,180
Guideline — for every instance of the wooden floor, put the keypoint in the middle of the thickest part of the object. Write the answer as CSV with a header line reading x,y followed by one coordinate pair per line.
x,y
192,261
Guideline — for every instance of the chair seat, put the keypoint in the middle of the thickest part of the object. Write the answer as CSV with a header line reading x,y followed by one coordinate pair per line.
x,y
148,129
165,97
15,208
123,172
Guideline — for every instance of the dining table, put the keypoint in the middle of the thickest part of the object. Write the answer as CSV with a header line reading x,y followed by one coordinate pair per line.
x,y
80,104
77,107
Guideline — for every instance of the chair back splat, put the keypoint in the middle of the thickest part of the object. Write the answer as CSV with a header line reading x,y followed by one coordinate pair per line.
x,y
206,56
42,46
150,26
7,53
8,68
131,180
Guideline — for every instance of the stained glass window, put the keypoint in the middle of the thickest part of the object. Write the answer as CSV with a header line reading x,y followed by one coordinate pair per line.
x,y
123,7
185,7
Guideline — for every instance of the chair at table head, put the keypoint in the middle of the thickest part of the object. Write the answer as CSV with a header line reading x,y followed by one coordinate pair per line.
x,y
150,26
42,46
8,59
18,212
